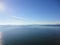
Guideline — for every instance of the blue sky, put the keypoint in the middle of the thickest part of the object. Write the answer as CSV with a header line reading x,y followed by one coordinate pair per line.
x,y
30,12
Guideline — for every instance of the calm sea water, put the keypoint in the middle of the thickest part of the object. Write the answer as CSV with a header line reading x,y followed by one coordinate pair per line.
x,y
30,35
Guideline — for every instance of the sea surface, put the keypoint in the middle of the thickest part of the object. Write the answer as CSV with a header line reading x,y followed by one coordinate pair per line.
x,y
30,35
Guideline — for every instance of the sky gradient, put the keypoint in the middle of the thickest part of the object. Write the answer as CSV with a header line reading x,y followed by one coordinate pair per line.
x,y
29,12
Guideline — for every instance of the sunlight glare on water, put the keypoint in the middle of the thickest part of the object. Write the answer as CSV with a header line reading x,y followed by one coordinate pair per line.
x,y
0,38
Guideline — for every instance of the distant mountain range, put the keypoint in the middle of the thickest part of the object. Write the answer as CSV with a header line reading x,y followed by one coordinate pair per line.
x,y
34,25
51,25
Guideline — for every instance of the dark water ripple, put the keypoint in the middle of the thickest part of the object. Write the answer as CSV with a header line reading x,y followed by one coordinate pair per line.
x,y
31,36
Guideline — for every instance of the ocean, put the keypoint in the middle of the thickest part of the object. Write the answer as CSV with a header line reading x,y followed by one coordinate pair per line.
x,y
30,35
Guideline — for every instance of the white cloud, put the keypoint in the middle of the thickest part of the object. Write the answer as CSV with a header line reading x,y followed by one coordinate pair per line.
x,y
15,17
